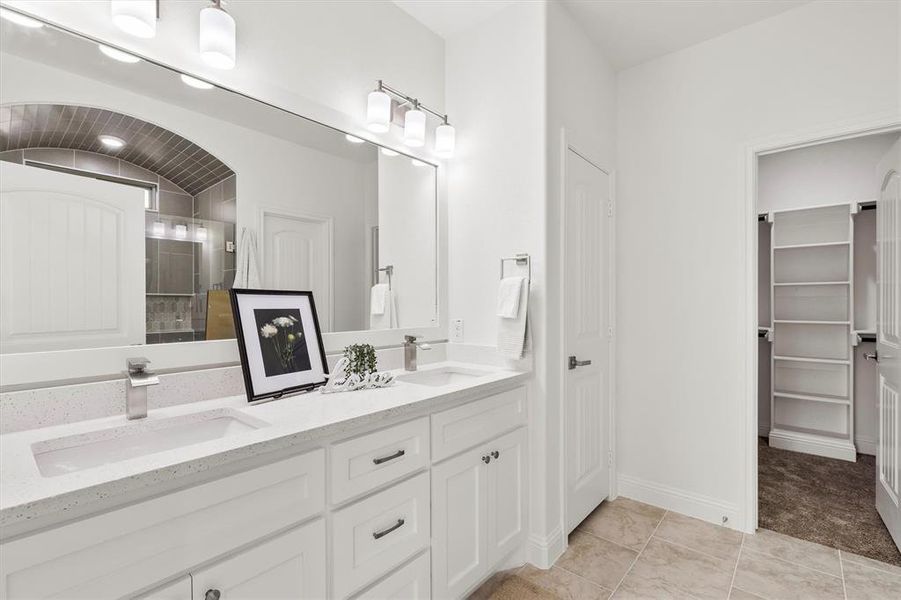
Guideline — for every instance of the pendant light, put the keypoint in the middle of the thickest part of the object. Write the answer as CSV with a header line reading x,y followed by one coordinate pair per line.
x,y
378,111
414,127
217,37
135,17
445,140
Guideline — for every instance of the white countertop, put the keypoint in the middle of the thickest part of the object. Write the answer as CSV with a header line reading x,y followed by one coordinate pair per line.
x,y
26,495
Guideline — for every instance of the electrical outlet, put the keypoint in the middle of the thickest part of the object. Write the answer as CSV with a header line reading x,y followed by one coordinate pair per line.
x,y
456,331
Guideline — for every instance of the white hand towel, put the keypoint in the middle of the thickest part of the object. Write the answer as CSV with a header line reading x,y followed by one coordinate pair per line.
x,y
508,292
378,298
247,274
513,334
388,318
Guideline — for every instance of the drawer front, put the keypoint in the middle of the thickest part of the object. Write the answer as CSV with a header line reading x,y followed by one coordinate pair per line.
x,y
465,426
410,582
117,553
376,534
369,461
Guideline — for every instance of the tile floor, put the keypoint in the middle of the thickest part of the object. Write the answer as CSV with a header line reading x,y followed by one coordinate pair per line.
x,y
626,549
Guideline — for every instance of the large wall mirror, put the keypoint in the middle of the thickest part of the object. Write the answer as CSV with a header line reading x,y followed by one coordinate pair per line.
x,y
133,198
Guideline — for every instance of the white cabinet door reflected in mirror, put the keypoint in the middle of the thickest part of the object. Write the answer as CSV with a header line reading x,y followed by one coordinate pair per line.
x,y
72,263
207,165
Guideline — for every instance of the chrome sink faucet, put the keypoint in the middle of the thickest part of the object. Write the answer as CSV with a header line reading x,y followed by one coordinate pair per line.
x,y
136,387
410,351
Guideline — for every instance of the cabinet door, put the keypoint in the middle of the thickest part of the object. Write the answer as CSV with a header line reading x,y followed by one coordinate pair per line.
x,y
459,520
180,589
506,494
290,566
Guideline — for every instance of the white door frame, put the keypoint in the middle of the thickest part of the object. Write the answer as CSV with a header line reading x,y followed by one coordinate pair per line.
x,y
748,417
558,361
307,218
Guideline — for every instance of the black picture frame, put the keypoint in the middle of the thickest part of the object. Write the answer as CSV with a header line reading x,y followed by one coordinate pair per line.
x,y
279,341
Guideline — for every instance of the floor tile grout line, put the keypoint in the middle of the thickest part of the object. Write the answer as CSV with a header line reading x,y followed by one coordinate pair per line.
x,y
795,564
869,567
637,556
735,570
609,541
695,550
841,566
585,579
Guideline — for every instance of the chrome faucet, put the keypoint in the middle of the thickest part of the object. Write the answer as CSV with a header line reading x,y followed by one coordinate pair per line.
x,y
410,348
136,387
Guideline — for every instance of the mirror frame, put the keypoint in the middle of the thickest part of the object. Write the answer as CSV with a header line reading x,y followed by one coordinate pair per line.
x,y
62,367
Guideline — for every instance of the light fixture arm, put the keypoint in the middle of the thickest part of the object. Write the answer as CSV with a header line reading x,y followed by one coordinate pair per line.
x,y
405,99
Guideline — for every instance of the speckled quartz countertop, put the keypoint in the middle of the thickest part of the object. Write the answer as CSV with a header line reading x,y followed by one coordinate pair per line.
x,y
297,421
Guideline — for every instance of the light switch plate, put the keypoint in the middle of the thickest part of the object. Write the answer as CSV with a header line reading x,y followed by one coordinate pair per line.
x,y
456,331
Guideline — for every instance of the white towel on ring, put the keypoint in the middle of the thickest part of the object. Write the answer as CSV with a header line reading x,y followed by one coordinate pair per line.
x,y
508,293
513,334
378,299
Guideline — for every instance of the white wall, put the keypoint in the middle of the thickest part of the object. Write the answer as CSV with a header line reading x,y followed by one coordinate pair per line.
x,y
317,58
496,182
684,123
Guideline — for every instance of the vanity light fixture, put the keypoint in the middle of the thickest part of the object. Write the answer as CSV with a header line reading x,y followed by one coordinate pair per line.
x,y
196,83
181,231
112,142
354,139
388,152
116,54
200,234
380,107
217,36
136,17
159,228
20,19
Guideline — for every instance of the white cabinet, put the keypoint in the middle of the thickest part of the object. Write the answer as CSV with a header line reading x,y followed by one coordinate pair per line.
x,y
478,512
180,589
290,566
410,582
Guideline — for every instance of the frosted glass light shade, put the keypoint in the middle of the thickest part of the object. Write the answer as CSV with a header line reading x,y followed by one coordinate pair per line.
x,y
378,112
414,128
135,17
445,140
201,234
217,38
159,228
181,231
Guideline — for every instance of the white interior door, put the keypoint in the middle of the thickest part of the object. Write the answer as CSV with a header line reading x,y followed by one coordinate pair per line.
x,y
297,255
888,343
71,261
586,336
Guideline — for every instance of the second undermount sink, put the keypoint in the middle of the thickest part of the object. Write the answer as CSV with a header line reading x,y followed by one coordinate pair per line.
x,y
442,376
104,446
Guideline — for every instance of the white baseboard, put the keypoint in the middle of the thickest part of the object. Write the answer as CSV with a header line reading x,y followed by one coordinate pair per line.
x,y
865,446
544,551
763,429
680,501
810,444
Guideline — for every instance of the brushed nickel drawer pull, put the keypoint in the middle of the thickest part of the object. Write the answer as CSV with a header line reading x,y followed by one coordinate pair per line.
x,y
384,532
385,459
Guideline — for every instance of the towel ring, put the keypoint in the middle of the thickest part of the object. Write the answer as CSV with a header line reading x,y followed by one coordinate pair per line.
x,y
521,260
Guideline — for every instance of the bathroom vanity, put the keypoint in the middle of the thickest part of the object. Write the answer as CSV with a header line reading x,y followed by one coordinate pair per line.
x,y
413,491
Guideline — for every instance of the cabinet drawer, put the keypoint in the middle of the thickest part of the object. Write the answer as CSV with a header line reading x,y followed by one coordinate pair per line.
x,y
114,554
374,535
465,426
364,463
410,582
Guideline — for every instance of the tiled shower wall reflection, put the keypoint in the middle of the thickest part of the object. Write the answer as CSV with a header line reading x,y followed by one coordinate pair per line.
x,y
215,207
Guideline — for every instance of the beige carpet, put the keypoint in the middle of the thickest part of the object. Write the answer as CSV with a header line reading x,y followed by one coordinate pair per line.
x,y
823,500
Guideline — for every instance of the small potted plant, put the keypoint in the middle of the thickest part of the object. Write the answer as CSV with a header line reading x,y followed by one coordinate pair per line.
x,y
361,359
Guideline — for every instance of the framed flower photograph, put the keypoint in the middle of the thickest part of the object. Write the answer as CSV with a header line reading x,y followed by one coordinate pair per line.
x,y
279,341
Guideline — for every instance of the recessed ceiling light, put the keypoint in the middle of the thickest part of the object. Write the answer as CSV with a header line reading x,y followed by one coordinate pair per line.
x,y
354,139
112,142
119,55
418,163
19,19
196,83
388,152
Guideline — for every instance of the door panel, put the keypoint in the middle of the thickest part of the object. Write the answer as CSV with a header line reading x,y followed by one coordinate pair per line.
x,y
71,261
888,342
586,322
290,566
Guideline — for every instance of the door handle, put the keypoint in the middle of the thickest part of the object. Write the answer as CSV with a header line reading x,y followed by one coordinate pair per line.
x,y
874,356
573,363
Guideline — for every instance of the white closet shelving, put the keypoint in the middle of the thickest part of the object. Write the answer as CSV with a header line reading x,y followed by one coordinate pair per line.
x,y
811,313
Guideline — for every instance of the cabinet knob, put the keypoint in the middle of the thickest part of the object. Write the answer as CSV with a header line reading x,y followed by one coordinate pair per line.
x,y
486,459
212,594
495,454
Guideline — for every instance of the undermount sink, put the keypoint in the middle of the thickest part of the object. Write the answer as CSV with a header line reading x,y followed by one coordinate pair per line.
x,y
442,376
104,446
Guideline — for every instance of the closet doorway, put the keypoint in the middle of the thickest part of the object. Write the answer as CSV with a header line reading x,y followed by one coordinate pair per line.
x,y
827,296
